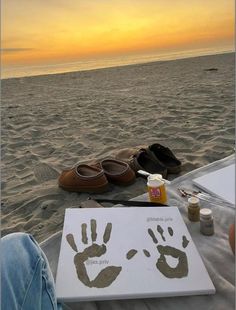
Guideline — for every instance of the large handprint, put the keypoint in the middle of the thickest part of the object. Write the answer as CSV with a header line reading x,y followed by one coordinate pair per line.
x,y
181,270
105,276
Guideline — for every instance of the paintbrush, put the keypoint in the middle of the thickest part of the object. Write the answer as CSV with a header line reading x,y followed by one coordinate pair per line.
x,y
130,202
145,173
204,196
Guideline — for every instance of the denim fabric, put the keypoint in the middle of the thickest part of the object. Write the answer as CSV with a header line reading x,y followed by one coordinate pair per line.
x,y
26,278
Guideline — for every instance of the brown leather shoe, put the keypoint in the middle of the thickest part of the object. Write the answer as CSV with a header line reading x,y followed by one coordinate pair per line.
x,y
118,172
83,178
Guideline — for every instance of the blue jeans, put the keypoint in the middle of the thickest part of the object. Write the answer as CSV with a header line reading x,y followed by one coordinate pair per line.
x,y
26,279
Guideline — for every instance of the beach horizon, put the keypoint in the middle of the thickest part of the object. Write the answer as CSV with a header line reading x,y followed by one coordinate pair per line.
x,y
97,64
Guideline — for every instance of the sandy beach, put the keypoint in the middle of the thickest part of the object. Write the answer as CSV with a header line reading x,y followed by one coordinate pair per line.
x,y
52,122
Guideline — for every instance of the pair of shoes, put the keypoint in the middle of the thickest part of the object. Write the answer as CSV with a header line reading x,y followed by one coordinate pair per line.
x,y
95,179
155,159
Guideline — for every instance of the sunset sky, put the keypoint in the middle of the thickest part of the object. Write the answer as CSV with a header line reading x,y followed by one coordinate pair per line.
x,y
52,31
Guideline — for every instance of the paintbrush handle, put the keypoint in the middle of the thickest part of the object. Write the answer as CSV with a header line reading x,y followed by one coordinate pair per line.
x,y
145,173
131,202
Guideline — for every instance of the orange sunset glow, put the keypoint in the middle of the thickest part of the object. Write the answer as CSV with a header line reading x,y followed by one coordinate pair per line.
x,y
43,32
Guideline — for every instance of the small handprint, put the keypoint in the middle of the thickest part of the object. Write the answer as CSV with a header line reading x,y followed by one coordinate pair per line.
x,y
105,276
181,270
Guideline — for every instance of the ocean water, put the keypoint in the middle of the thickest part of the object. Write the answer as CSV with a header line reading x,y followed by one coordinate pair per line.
x,y
22,71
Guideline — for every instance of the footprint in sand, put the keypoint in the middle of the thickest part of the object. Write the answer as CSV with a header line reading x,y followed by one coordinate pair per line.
x,y
44,173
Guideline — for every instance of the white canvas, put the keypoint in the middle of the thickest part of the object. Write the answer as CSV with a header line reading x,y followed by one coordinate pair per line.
x,y
146,231
220,183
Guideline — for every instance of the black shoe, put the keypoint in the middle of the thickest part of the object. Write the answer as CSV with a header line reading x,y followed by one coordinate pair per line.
x,y
165,156
143,161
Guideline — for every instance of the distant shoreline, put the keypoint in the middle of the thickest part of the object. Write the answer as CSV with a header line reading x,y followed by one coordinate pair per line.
x,y
116,66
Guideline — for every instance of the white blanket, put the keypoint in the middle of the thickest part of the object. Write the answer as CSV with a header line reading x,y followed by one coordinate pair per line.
x,y
214,250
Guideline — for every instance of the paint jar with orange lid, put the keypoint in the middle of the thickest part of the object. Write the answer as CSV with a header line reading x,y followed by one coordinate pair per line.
x,y
156,188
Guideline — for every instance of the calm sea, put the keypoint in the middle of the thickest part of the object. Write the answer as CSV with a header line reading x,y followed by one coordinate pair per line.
x,y
22,71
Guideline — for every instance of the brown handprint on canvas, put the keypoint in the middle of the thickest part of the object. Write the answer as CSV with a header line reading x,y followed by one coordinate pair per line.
x,y
106,276
181,269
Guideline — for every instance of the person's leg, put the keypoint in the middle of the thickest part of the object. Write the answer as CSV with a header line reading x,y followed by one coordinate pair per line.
x,y
26,279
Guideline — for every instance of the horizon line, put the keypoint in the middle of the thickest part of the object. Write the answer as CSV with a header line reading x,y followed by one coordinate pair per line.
x,y
107,67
